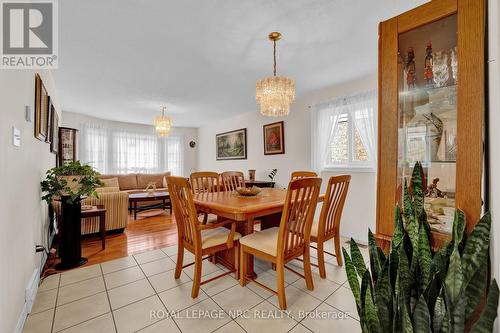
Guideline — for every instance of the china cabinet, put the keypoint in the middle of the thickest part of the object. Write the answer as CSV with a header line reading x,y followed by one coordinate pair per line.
x,y
431,109
67,145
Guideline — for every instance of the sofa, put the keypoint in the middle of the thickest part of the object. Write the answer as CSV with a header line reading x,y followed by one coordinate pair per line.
x,y
137,182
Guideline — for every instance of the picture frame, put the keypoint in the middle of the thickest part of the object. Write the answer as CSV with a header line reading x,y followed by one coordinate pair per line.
x,y
54,130
274,138
231,145
49,120
41,109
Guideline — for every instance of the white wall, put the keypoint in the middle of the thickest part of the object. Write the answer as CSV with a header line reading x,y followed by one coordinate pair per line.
x,y
23,216
75,120
359,211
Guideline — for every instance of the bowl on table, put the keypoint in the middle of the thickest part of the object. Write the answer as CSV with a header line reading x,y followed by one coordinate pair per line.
x,y
248,191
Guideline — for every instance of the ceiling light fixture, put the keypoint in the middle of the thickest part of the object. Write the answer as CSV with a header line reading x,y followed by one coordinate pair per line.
x,y
163,123
275,93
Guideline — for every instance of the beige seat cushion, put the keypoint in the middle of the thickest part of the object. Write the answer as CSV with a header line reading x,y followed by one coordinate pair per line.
x,y
265,241
110,182
217,236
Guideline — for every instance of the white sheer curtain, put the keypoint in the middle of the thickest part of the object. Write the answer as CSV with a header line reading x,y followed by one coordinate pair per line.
x,y
120,151
93,146
360,109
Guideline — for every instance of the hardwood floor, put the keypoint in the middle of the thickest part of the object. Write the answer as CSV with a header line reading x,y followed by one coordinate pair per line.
x,y
141,235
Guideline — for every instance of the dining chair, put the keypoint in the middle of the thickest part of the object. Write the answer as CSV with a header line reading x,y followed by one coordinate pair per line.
x,y
290,240
199,239
303,174
205,182
328,226
232,180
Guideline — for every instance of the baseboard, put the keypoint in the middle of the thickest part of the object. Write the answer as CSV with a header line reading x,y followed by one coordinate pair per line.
x,y
30,294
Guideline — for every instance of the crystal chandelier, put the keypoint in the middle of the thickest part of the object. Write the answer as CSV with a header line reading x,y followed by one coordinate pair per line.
x,y
275,93
163,123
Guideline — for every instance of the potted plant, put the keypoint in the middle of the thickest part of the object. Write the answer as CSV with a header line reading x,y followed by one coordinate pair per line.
x,y
415,289
69,184
72,180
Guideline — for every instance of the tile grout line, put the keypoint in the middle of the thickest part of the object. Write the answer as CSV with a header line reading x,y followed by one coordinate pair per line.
x,y
156,294
55,305
109,301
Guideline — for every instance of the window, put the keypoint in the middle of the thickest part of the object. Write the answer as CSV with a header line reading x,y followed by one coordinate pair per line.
x,y
343,133
119,151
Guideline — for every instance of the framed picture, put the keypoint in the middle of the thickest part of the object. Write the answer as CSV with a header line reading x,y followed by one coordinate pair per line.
x,y
54,130
274,138
232,145
41,110
50,108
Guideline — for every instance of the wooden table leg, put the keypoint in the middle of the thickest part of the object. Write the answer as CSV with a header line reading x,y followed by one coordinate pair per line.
x,y
227,257
102,229
249,269
135,210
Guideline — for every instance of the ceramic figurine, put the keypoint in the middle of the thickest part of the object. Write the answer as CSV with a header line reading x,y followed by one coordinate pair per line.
x,y
432,190
410,69
428,74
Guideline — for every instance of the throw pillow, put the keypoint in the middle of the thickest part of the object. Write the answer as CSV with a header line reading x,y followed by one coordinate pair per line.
x,y
110,182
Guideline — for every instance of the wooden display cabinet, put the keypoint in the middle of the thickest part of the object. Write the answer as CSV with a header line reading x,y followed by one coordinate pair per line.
x,y
431,109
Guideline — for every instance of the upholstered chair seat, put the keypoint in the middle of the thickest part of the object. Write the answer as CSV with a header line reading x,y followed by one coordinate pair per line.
x,y
265,241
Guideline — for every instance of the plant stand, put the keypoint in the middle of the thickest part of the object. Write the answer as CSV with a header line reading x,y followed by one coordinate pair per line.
x,y
70,250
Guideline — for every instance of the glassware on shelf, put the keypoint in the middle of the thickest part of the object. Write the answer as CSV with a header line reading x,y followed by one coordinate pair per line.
x,y
440,66
454,64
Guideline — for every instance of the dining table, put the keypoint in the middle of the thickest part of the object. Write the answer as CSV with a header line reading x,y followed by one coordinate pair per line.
x,y
266,207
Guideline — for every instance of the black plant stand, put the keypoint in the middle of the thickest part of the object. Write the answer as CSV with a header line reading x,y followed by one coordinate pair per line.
x,y
70,250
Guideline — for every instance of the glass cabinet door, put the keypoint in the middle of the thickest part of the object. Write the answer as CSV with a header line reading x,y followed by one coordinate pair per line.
x,y
427,120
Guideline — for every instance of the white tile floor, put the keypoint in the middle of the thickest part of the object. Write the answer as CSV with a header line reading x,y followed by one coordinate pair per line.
x,y
120,295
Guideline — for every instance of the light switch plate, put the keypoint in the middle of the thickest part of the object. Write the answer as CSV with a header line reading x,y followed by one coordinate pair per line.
x,y
16,137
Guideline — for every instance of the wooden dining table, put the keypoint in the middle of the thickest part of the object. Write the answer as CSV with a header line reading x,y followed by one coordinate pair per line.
x,y
266,207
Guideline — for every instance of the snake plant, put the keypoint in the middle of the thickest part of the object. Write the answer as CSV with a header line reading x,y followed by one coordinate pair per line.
x,y
413,288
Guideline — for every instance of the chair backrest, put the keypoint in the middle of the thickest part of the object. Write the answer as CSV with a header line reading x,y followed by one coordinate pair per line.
x,y
333,204
184,210
205,182
232,179
297,216
303,174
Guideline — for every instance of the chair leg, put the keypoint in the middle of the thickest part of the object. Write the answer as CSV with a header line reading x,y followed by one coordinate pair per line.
x,y
280,284
338,252
197,276
307,269
180,259
243,265
237,260
321,259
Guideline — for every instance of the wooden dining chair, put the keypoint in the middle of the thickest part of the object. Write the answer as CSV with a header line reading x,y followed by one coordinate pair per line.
x,y
328,226
205,182
290,240
232,180
303,174
199,239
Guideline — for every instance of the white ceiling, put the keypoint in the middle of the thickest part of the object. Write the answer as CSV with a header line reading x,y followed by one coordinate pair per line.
x,y
122,59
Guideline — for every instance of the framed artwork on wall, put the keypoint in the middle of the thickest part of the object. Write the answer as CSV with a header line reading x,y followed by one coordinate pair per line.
x,y
41,110
274,138
231,145
50,107
54,130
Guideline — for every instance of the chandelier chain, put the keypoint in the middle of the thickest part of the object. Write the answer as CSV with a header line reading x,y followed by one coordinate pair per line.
x,y
274,57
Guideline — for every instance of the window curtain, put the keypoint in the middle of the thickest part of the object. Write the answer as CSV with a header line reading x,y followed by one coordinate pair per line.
x,y
325,115
93,147
120,151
